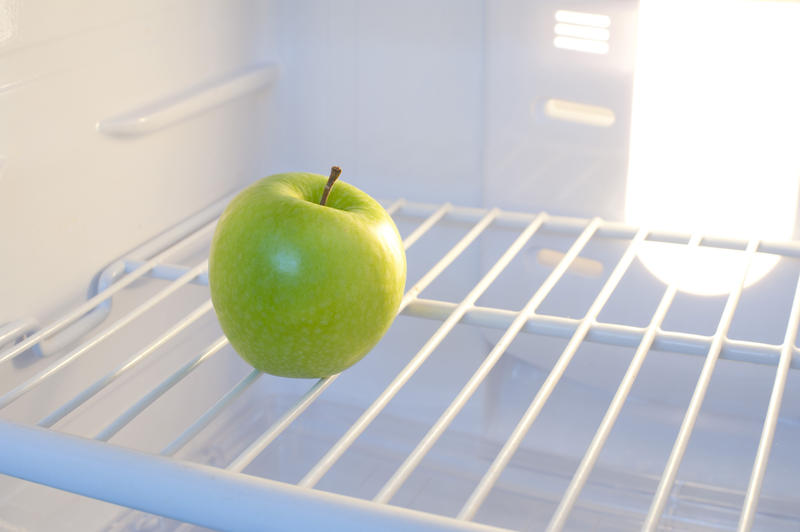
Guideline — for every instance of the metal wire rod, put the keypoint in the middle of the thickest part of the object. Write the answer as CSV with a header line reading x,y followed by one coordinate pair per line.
x,y
209,415
257,447
99,298
61,363
604,333
500,462
690,418
589,459
304,402
108,378
311,395
335,452
434,433
134,410
771,419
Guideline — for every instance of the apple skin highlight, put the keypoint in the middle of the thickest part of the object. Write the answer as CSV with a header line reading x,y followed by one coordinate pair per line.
x,y
301,289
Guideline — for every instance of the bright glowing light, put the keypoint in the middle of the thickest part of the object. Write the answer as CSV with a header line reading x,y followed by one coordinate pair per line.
x,y
715,132
582,32
581,45
584,19
582,113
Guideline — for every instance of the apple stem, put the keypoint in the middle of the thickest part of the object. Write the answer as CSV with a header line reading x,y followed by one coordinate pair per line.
x,y
335,173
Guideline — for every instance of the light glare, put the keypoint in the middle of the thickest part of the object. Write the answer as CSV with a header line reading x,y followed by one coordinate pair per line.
x,y
581,45
714,133
584,19
582,113
582,32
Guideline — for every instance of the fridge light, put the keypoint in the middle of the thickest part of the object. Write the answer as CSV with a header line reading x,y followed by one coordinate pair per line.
x,y
584,19
582,32
581,45
714,133
582,113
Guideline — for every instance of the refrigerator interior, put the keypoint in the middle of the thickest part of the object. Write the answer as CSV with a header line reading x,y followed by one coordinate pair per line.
x,y
549,366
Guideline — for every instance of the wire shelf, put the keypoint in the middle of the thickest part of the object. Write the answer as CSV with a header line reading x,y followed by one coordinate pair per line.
x,y
104,468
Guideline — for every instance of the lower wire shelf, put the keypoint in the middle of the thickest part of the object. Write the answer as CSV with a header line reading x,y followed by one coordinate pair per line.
x,y
498,419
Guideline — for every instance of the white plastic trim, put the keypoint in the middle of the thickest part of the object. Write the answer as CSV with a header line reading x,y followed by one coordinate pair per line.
x,y
176,108
194,493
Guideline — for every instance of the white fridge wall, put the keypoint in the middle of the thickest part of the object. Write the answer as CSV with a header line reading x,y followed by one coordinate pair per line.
x,y
392,92
535,158
73,199
428,101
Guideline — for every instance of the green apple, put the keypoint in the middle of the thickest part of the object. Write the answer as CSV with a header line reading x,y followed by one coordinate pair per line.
x,y
305,286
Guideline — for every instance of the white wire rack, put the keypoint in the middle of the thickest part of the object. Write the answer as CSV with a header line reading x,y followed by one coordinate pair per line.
x,y
223,497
